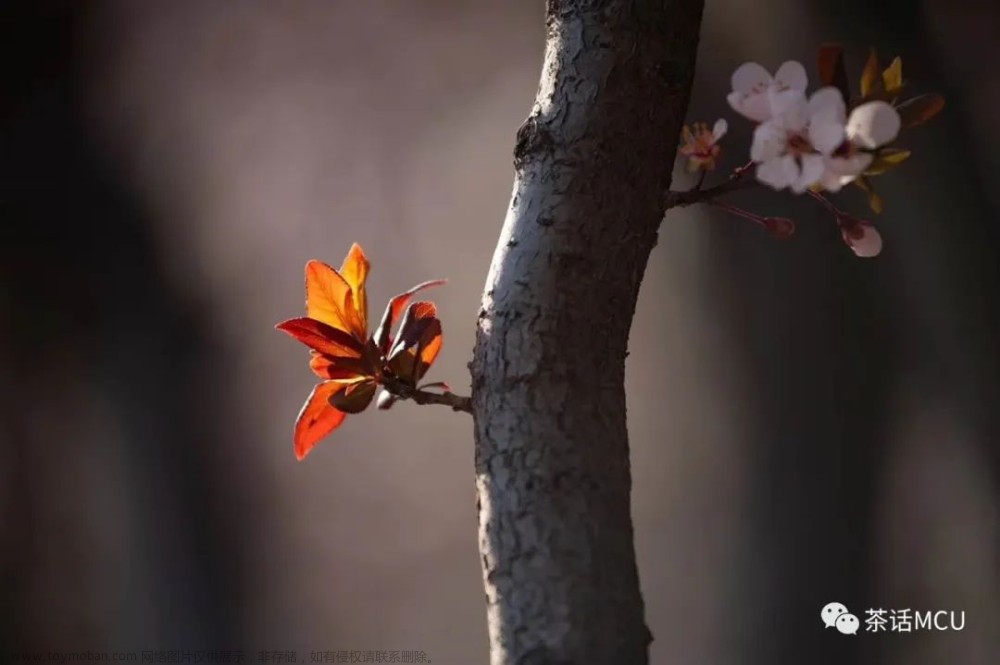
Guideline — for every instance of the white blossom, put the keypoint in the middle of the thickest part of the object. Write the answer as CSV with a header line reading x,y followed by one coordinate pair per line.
x,y
758,96
790,149
869,127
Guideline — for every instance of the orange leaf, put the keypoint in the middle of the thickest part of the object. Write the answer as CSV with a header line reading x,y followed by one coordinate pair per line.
x,y
429,347
321,337
317,418
393,311
329,299
354,270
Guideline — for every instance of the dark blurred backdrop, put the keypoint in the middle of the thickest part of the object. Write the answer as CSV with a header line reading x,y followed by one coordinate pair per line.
x,y
806,426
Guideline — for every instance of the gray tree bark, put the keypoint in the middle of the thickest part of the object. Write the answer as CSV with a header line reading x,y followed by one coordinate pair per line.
x,y
592,162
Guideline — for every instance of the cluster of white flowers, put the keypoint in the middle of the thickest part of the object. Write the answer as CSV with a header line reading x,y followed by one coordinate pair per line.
x,y
802,142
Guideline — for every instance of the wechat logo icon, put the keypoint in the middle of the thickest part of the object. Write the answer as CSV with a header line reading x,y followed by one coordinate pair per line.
x,y
835,615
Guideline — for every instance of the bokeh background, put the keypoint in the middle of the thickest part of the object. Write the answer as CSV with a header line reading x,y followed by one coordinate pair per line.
x,y
806,426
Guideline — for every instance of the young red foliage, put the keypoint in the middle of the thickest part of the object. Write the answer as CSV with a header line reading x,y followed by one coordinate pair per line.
x,y
351,362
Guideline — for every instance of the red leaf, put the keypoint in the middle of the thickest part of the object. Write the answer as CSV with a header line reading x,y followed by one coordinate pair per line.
x,y
317,418
418,343
321,337
393,310
429,347
919,109
415,320
344,370
353,398
831,68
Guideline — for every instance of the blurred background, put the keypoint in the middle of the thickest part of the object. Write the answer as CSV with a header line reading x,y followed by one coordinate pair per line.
x,y
806,426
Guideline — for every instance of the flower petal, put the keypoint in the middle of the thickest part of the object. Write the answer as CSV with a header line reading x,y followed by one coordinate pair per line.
x,y
791,75
321,337
851,166
780,102
769,142
791,111
779,172
826,134
828,101
840,171
811,173
873,124
751,77
755,106
317,418
831,181
719,129
826,125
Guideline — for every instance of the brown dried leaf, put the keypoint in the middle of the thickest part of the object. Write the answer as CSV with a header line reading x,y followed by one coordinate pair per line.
x,y
870,79
831,68
874,200
886,160
919,109
892,77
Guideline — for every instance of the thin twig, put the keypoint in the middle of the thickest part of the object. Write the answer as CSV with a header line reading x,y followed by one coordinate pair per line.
x,y
736,182
404,391
456,402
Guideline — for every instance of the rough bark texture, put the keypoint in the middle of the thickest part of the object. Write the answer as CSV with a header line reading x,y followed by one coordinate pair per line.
x,y
592,161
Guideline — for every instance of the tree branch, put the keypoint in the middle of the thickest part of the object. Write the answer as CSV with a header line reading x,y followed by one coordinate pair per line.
x,y
736,182
552,454
403,390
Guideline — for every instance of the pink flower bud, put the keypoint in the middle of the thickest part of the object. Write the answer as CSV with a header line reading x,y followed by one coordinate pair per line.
x,y
863,239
